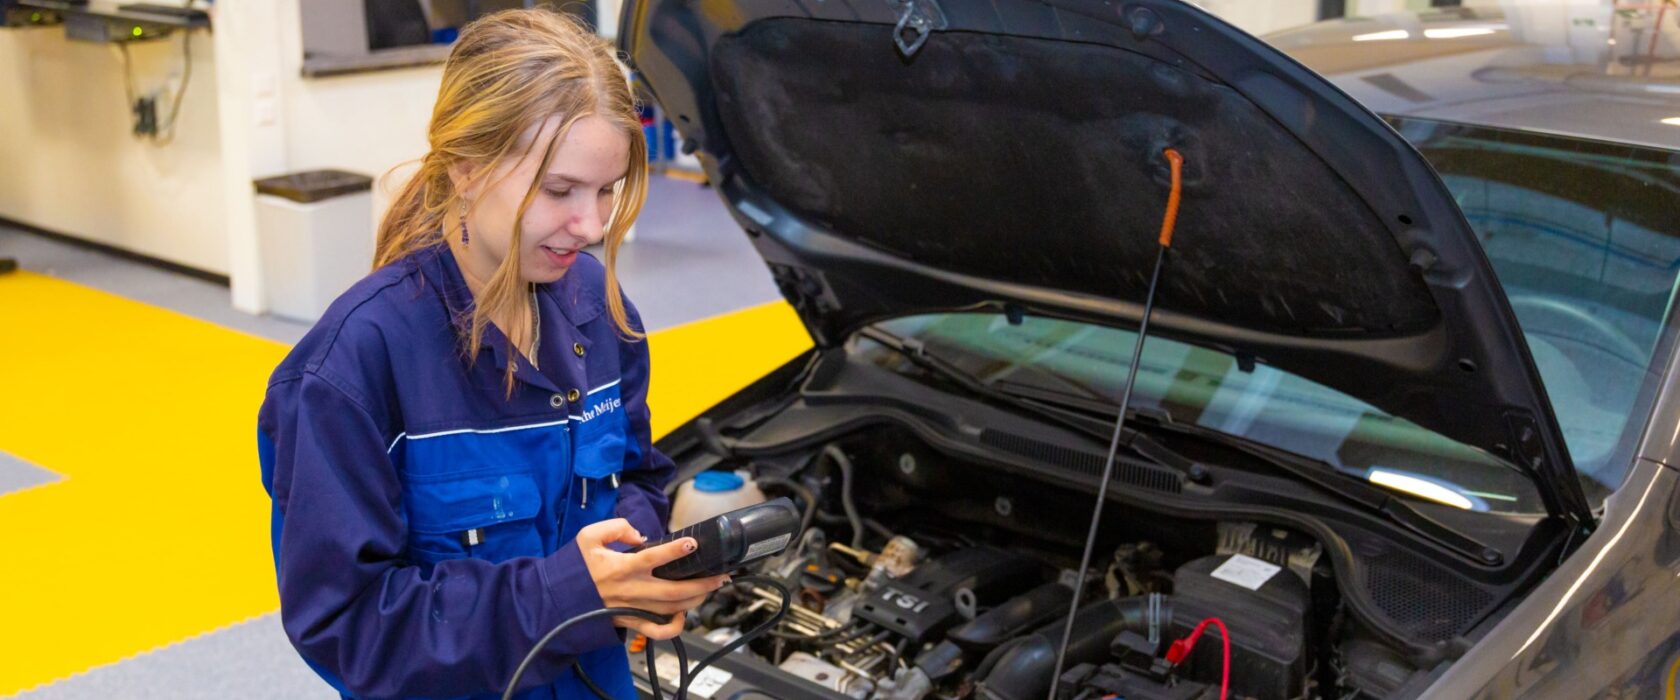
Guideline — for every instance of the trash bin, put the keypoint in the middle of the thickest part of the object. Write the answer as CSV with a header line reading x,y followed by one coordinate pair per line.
x,y
315,238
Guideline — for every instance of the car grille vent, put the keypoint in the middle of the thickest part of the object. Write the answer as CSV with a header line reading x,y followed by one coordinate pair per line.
x,y
1428,603
1126,470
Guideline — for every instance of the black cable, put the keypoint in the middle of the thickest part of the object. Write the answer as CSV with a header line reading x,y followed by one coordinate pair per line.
x,y
590,683
537,648
682,664
859,633
684,674
897,656
166,130
878,528
877,639
128,74
736,643
653,671
845,464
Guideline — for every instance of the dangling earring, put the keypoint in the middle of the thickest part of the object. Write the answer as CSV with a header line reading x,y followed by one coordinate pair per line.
x,y
463,222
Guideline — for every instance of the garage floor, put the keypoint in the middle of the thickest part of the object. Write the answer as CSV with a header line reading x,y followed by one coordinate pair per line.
x,y
126,451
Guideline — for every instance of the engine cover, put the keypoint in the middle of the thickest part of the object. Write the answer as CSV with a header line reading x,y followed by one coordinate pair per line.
x,y
922,603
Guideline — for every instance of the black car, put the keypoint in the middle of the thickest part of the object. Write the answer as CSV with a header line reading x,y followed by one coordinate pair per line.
x,y
1402,422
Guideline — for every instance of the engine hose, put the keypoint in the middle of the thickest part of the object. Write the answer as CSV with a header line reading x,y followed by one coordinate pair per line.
x,y
1022,669
809,497
840,460
869,523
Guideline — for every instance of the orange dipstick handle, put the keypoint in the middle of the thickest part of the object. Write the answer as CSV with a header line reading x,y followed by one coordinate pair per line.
x,y
1167,222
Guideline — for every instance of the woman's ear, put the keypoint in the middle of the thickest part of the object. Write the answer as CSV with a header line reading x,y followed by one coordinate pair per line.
x,y
461,177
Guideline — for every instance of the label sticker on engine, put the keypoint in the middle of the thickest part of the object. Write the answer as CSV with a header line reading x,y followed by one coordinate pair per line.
x,y
1246,571
705,685
767,547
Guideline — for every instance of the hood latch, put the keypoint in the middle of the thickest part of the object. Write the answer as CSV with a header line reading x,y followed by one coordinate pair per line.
x,y
918,19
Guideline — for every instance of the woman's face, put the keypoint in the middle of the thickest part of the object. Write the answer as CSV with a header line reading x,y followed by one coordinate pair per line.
x,y
569,211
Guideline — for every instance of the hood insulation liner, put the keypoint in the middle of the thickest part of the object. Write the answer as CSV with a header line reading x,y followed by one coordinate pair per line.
x,y
1038,162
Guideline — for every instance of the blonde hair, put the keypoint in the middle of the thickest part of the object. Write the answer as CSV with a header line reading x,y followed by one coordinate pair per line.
x,y
509,71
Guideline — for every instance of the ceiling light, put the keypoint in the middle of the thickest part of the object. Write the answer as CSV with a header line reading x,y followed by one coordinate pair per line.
x,y
1389,35
1426,489
1672,121
1458,32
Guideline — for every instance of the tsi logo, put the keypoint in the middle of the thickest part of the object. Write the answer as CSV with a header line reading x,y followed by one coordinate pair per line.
x,y
604,406
904,600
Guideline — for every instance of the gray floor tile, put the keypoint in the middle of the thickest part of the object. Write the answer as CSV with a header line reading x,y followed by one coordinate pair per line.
x,y
143,283
249,660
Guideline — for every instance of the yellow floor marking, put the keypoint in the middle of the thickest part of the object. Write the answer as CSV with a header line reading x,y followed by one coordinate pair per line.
x,y
159,529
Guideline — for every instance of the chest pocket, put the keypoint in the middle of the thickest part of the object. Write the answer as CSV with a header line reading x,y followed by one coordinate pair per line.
x,y
482,516
600,434
599,438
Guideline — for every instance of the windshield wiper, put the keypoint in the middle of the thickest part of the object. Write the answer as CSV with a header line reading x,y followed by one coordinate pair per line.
x,y
1373,499
913,350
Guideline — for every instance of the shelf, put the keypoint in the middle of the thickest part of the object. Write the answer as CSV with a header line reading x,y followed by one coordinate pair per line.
x,y
319,65
107,9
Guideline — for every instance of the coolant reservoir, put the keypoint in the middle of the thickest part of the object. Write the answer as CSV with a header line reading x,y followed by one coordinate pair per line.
x,y
710,494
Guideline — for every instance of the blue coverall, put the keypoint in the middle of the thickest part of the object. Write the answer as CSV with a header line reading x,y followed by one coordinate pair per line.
x,y
423,522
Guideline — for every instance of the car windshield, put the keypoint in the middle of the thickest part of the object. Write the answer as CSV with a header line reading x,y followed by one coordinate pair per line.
x,y
1583,236
1215,390
1580,234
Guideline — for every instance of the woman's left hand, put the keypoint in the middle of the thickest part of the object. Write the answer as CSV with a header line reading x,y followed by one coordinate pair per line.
x,y
626,580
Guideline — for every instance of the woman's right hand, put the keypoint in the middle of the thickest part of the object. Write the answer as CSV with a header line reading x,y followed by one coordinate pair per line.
x,y
626,580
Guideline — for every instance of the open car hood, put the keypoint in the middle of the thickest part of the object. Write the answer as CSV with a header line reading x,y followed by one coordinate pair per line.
x,y
891,157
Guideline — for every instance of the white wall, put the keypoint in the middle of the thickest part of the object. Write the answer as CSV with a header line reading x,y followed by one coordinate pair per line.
x,y
1259,17
365,122
69,164
277,121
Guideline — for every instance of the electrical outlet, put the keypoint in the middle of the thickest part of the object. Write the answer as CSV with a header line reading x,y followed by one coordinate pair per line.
x,y
145,116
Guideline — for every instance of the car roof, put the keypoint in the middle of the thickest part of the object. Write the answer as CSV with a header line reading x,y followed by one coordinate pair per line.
x,y
1583,71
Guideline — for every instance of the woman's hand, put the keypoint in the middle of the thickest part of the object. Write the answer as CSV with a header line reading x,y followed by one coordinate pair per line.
x,y
627,580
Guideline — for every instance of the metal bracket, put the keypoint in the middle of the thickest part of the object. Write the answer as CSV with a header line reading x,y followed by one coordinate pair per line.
x,y
921,17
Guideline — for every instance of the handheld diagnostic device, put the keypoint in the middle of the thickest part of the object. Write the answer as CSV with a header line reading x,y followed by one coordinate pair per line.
x,y
732,540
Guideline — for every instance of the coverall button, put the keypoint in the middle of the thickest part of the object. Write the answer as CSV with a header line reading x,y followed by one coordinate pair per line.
x,y
557,401
578,348
572,395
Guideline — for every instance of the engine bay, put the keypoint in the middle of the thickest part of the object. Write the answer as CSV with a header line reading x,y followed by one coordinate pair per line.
x,y
919,575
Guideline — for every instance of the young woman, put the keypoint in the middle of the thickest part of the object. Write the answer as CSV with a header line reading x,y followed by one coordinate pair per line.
x,y
458,453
